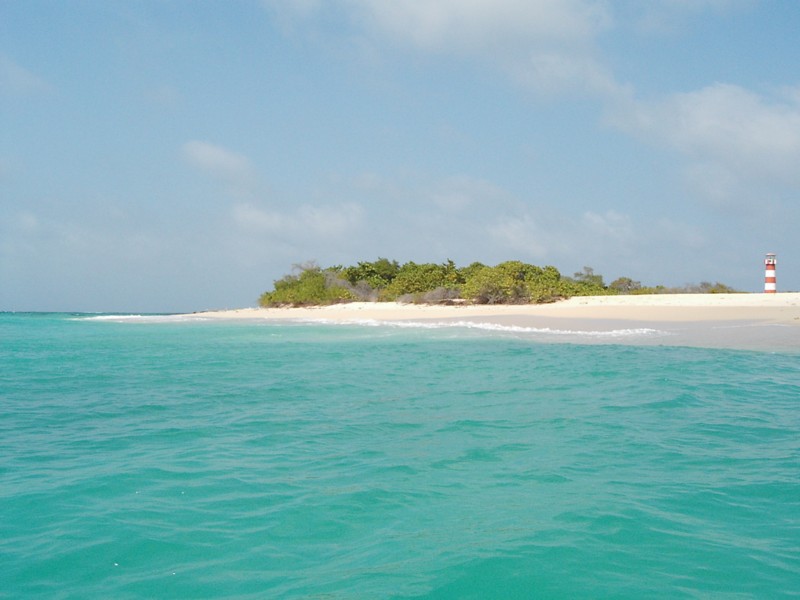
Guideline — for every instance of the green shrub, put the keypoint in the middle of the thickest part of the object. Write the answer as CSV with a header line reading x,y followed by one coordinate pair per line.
x,y
377,275
513,282
508,282
312,287
413,278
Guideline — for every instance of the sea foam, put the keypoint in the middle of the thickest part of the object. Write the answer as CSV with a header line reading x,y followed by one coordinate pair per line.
x,y
496,327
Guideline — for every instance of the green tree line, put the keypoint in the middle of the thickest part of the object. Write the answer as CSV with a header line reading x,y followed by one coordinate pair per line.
x,y
510,282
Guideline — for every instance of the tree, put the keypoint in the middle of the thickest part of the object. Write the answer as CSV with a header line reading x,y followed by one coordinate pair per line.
x,y
707,287
508,282
378,274
585,283
512,282
312,286
588,277
466,272
413,278
625,285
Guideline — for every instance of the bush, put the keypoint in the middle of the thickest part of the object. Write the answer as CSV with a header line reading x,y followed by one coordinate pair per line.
x,y
508,282
416,278
625,285
377,275
312,287
513,282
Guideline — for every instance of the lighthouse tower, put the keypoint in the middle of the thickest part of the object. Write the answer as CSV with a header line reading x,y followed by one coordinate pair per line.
x,y
769,274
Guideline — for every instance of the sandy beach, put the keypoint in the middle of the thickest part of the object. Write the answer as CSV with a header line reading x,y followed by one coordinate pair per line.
x,y
775,308
747,321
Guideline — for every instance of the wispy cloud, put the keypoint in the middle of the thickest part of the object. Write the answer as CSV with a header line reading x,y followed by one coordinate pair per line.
x,y
729,135
262,234
17,80
670,16
306,223
459,193
547,45
488,27
555,73
231,167
608,227
523,236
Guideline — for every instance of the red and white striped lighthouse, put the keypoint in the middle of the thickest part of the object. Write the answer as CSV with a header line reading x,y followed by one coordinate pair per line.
x,y
769,273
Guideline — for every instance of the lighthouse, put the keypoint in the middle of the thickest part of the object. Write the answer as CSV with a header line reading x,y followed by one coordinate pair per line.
x,y
769,273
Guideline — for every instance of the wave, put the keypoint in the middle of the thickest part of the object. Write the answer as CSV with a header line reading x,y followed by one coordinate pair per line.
x,y
622,333
146,318
495,327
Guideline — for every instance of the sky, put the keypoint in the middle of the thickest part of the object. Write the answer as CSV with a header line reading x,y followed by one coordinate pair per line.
x,y
172,155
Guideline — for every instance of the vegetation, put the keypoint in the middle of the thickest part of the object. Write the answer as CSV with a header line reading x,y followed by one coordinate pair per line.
x,y
311,286
514,282
510,282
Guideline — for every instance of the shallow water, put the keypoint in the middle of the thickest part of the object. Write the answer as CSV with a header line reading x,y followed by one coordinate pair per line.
x,y
160,458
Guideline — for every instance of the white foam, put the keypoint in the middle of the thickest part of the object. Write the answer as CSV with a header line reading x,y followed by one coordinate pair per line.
x,y
144,318
483,326
637,332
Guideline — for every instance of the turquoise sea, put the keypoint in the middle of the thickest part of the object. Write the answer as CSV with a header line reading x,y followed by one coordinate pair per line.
x,y
160,457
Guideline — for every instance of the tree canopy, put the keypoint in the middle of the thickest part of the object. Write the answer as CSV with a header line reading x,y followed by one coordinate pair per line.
x,y
509,282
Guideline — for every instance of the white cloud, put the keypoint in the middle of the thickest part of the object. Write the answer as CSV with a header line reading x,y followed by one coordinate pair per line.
x,y
219,162
669,16
521,235
485,26
545,44
681,236
46,236
731,135
16,80
551,73
551,236
334,221
27,222
307,223
260,220
280,237
468,219
455,194
610,225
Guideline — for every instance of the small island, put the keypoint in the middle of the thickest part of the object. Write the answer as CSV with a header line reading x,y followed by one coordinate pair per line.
x,y
509,282
516,298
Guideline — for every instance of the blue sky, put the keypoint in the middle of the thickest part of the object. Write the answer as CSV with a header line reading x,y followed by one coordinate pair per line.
x,y
176,156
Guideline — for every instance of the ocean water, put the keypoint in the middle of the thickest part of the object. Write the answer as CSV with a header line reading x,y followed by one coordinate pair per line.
x,y
166,458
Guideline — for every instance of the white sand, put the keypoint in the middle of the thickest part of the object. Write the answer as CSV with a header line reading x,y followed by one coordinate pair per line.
x,y
781,308
764,322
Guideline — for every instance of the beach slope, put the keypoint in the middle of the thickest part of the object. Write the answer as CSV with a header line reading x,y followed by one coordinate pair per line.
x,y
752,321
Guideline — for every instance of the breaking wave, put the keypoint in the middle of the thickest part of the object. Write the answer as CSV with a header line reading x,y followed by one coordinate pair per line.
x,y
496,327
146,318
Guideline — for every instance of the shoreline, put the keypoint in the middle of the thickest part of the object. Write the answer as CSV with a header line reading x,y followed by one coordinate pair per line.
x,y
735,321
776,308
